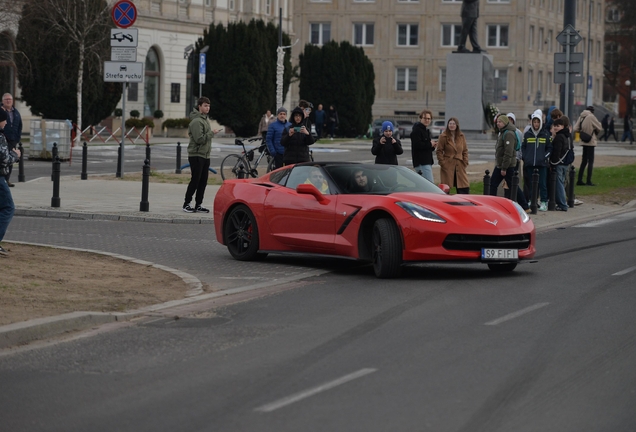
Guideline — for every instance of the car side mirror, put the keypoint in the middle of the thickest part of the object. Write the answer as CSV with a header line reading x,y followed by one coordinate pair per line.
x,y
445,188
309,189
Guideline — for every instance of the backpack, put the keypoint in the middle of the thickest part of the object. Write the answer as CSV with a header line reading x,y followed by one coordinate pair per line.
x,y
519,139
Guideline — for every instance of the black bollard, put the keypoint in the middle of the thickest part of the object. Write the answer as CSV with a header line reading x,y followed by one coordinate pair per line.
x,y
178,170
571,196
84,175
535,191
148,152
487,183
53,156
118,172
144,205
21,178
55,200
552,179
514,187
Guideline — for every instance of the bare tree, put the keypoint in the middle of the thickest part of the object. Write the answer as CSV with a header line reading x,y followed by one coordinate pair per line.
x,y
83,24
620,47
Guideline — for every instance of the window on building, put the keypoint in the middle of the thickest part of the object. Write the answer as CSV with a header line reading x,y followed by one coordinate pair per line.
x,y
598,51
611,56
364,1
542,4
175,92
498,1
363,34
409,1
531,38
406,79
541,40
231,5
530,79
133,92
548,85
560,6
501,79
7,66
613,14
497,35
540,81
550,39
151,83
597,88
451,1
407,34
268,7
208,3
451,34
591,48
442,79
551,5
320,33
598,13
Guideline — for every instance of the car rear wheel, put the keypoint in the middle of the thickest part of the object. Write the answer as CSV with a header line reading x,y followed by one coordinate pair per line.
x,y
387,249
241,235
501,268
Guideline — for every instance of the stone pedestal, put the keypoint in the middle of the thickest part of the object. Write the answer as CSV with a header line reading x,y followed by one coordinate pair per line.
x,y
469,88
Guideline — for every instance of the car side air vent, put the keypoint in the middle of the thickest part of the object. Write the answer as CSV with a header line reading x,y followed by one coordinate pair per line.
x,y
461,203
267,185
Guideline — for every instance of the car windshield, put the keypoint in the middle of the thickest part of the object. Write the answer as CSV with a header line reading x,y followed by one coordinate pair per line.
x,y
378,179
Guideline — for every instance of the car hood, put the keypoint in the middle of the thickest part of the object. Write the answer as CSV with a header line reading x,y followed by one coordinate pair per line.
x,y
481,212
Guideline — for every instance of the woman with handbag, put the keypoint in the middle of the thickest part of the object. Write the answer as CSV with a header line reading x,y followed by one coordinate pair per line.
x,y
588,127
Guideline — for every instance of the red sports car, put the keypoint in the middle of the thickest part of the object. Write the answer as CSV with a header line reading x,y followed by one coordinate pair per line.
x,y
384,214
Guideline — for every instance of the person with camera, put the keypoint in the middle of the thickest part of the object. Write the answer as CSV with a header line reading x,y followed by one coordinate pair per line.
x,y
296,139
386,148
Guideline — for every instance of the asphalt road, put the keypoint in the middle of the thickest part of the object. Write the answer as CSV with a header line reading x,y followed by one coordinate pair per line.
x,y
550,347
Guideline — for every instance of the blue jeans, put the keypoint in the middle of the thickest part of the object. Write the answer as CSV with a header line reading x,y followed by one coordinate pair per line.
x,y
560,198
628,134
427,172
7,208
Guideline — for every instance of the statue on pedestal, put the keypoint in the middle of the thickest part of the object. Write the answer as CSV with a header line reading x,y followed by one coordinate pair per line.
x,y
469,14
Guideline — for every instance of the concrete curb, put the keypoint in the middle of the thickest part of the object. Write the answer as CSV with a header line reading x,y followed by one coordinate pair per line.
x,y
106,216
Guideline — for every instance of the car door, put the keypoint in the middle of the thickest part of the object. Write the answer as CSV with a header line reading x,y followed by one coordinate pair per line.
x,y
304,222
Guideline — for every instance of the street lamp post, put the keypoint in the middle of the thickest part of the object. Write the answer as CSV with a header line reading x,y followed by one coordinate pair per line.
x,y
567,90
588,98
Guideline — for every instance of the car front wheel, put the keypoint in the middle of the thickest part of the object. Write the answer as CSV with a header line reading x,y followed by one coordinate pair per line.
x,y
241,234
387,249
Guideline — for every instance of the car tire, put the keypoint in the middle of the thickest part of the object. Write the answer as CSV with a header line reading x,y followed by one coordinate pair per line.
x,y
387,249
502,268
241,234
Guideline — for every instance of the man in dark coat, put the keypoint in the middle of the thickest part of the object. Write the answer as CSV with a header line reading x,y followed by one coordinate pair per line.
x,y
296,139
422,146
13,128
469,14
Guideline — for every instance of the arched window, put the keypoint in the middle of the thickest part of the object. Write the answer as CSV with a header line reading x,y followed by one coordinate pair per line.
x,y
151,83
7,67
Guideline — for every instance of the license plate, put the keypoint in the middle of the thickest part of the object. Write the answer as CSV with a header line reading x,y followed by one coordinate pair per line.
x,y
499,254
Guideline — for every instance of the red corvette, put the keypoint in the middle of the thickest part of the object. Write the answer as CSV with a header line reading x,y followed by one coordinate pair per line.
x,y
384,214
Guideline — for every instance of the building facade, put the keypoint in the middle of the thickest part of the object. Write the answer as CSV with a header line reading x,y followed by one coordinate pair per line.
x,y
408,42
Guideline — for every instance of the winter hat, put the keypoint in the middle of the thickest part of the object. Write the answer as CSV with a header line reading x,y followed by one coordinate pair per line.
x,y
387,126
590,109
512,116
504,119
3,115
280,110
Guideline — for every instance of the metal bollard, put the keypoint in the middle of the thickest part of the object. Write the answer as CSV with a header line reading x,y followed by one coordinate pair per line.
x,y
178,170
552,179
53,156
514,187
21,178
118,172
144,205
535,190
84,175
148,152
55,200
571,196
487,183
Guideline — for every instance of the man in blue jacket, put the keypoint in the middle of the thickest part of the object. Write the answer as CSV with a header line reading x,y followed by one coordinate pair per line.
x,y
13,128
536,148
274,135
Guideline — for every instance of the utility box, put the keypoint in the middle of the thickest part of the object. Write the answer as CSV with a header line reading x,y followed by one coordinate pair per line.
x,y
46,132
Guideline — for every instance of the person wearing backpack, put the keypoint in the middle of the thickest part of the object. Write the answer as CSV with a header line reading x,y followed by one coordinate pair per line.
x,y
588,127
536,148
560,159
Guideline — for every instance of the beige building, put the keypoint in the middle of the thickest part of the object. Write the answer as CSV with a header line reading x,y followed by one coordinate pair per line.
x,y
408,42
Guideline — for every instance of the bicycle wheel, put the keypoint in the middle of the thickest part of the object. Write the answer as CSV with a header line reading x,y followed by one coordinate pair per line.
x,y
234,167
271,166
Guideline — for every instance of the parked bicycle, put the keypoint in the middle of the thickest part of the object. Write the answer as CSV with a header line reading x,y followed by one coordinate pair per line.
x,y
242,166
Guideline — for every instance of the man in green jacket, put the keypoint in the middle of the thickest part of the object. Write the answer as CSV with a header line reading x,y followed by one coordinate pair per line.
x,y
199,149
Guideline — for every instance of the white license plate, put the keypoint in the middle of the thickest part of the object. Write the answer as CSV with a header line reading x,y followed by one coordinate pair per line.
x,y
499,254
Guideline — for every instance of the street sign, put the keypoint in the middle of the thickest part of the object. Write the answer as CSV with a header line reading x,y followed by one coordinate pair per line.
x,y
202,68
124,13
123,54
575,68
124,37
123,71
575,37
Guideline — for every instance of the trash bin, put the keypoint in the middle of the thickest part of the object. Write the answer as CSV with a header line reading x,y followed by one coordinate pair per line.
x,y
46,132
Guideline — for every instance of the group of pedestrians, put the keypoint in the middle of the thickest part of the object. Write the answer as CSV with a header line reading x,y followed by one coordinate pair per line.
x,y
288,141
10,135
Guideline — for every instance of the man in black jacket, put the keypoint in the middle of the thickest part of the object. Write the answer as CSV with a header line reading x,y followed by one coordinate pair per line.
x,y
13,128
422,146
469,14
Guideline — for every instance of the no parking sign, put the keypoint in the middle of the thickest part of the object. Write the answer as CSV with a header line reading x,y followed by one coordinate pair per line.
x,y
124,13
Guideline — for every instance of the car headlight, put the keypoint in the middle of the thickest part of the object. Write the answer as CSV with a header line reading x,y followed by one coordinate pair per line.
x,y
420,212
522,213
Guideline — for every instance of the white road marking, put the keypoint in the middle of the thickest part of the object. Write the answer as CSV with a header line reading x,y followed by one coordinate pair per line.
x,y
517,314
622,272
313,391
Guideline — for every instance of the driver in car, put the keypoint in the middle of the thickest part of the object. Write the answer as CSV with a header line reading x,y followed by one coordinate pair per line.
x,y
360,182
317,179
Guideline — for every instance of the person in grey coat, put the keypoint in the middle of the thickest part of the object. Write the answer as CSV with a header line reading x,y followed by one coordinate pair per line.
x,y
469,14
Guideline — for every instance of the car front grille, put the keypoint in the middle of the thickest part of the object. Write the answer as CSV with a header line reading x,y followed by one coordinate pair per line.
x,y
477,242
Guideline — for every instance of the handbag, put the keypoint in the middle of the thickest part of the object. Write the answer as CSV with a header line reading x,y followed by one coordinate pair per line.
x,y
585,137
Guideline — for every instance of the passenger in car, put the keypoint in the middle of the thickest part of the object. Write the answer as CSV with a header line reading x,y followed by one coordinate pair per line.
x,y
318,179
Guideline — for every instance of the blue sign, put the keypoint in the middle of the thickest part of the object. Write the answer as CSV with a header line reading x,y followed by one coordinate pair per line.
x,y
202,68
124,13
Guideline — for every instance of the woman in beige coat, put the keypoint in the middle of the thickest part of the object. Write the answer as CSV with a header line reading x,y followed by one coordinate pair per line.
x,y
452,156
